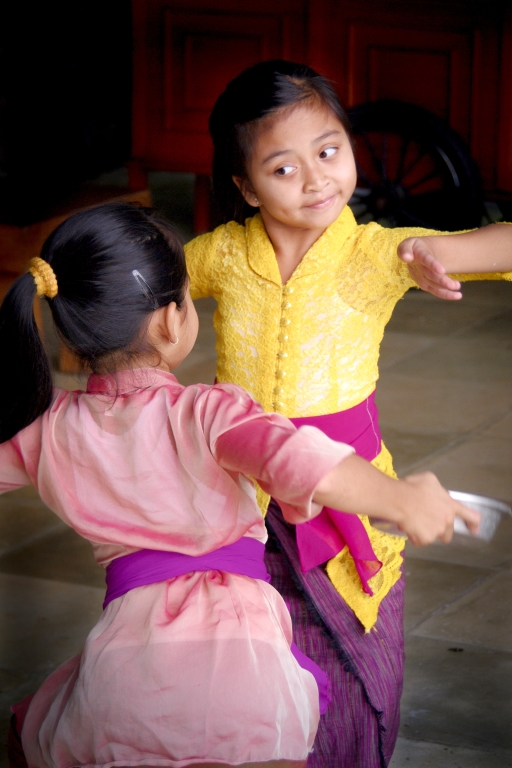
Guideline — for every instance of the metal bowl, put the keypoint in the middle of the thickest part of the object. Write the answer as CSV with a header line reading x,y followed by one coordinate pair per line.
x,y
491,512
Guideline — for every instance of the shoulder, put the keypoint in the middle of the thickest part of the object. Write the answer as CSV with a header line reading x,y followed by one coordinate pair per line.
x,y
211,395
211,241
205,253
380,243
216,408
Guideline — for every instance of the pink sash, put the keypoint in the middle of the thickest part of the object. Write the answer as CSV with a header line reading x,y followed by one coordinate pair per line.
x,y
324,537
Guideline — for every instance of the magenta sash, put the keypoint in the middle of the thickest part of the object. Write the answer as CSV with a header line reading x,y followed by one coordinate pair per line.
x,y
245,557
326,535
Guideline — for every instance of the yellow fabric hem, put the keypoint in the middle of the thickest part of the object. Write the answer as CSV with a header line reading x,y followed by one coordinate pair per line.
x,y
483,276
388,549
345,578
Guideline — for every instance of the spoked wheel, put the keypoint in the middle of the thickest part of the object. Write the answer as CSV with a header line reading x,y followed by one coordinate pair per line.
x,y
413,169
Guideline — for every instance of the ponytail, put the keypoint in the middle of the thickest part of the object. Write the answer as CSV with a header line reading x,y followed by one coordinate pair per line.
x,y
104,271
26,386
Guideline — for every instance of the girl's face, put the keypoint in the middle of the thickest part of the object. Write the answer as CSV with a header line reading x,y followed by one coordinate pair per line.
x,y
302,170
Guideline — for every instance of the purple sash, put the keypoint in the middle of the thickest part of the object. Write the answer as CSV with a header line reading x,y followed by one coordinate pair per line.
x,y
326,535
245,557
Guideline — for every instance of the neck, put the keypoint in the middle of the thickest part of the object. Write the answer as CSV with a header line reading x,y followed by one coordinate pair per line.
x,y
290,244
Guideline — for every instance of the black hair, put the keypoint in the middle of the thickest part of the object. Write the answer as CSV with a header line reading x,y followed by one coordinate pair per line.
x,y
255,94
101,309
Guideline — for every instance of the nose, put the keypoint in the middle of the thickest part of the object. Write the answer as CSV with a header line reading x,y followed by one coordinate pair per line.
x,y
314,178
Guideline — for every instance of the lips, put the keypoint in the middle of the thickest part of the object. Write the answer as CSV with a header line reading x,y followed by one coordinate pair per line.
x,y
325,203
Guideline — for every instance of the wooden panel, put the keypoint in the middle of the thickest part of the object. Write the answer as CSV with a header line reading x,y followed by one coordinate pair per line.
x,y
387,81
444,55
183,59
202,53
504,170
427,68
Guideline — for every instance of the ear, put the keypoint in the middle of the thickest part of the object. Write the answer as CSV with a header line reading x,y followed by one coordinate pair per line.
x,y
248,193
164,323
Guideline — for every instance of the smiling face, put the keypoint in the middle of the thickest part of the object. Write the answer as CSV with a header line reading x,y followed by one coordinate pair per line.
x,y
301,170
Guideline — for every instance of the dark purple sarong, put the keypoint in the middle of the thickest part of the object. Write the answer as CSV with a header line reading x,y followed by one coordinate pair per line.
x,y
360,727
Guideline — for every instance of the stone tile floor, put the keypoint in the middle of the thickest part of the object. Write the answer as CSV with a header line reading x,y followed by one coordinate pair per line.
x,y
445,398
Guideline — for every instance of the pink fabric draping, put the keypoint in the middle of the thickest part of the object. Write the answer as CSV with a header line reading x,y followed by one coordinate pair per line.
x,y
324,537
148,566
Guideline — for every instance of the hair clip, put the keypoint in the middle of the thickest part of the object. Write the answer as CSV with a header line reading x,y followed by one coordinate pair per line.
x,y
146,290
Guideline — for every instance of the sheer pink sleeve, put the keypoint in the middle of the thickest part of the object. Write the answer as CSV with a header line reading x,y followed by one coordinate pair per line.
x,y
287,462
18,456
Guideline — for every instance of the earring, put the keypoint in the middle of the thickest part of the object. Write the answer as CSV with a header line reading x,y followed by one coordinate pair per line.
x,y
174,342
256,201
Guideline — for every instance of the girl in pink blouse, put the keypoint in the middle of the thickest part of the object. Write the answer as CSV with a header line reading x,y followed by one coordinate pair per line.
x,y
192,661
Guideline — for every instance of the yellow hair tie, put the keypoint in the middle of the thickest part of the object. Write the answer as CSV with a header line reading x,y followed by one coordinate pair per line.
x,y
44,277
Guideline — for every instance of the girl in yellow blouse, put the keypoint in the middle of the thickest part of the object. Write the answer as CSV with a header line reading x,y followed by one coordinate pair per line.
x,y
304,294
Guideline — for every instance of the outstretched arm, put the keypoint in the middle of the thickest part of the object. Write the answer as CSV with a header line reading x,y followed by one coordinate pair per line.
x,y
305,470
419,505
431,259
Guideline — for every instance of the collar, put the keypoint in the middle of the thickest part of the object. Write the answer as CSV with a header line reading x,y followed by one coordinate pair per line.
x,y
128,381
262,258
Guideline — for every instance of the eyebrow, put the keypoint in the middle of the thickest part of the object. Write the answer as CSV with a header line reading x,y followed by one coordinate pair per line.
x,y
315,141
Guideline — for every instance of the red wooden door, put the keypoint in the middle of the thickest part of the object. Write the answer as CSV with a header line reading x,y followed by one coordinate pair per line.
x,y
183,59
452,57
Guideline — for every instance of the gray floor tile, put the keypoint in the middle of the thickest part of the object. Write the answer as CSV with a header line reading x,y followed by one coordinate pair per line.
x,y
495,292
408,448
496,329
424,754
417,313
44,623
61,556
442,406
459,699
205,307
431,585
481,617
501,428
203,372
399,346
23,518
461,360
481,464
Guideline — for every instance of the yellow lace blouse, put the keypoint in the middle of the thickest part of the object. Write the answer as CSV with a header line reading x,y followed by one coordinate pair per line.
x,y
311,346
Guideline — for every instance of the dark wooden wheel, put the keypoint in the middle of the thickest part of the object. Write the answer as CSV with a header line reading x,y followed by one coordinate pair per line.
x,y
413,169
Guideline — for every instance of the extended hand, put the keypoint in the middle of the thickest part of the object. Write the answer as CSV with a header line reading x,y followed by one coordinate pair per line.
x,y
430,511
428,273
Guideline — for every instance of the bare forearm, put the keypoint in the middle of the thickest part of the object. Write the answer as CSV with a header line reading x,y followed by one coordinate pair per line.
x,y
355,486
419,505
483,250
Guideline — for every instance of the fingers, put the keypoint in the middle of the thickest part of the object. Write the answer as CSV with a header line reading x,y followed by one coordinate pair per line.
x,y
439,285
442,280
470,517
447,536
441,293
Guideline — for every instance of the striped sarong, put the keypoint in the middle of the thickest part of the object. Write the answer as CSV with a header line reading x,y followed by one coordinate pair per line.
x,y
360,727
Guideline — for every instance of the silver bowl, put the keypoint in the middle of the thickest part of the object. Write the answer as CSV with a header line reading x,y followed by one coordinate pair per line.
x,y
491,512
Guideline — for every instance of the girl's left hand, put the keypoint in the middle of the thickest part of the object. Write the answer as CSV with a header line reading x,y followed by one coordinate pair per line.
x,y
426,271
